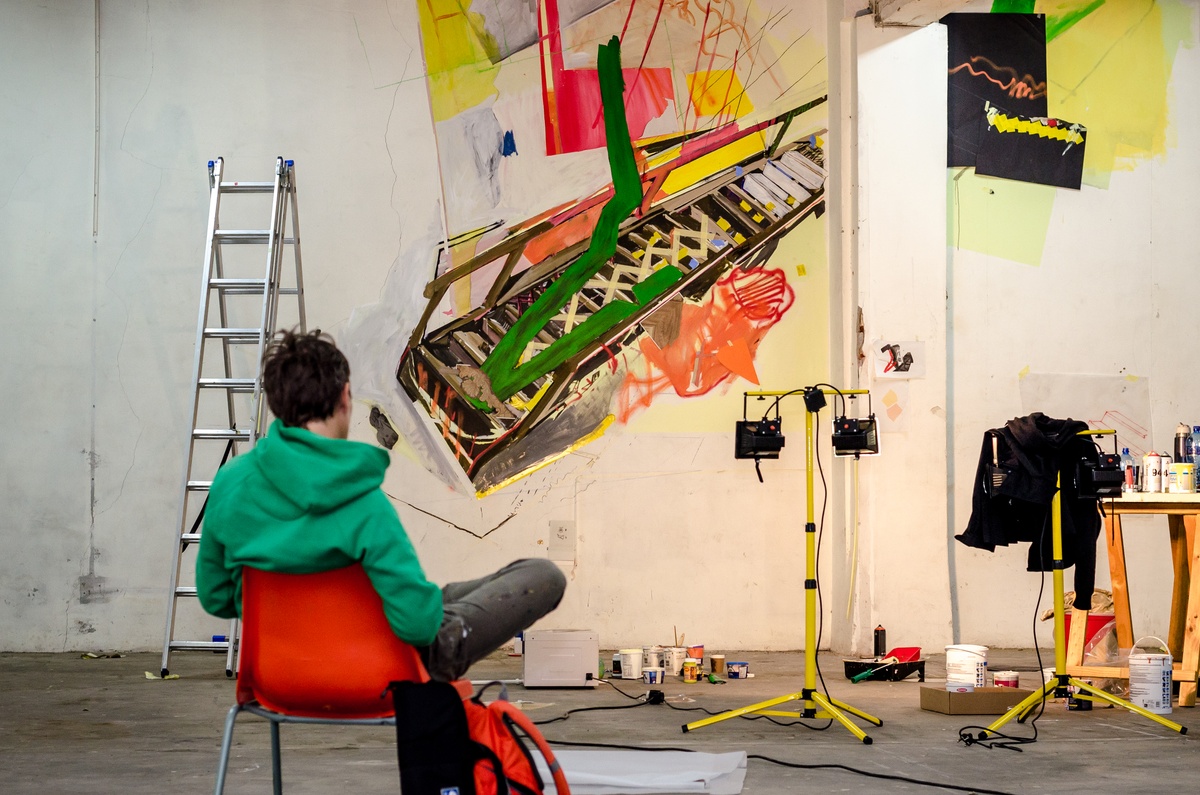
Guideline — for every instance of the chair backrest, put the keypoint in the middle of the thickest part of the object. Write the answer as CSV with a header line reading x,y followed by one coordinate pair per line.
x,y
319,645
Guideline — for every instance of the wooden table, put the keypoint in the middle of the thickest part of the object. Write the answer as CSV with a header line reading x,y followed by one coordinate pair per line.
x,y
1183,636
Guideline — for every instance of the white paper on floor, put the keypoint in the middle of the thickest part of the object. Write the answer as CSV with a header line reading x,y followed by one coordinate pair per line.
x,y
645,772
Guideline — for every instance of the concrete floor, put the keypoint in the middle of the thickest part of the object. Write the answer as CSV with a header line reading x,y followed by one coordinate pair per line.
x,y
74,725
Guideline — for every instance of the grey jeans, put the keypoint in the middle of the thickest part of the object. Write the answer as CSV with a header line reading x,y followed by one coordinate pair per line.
x,y
482,615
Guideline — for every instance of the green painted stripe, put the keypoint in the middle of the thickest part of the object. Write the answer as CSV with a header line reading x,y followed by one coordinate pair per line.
x,y
1056,26
501,367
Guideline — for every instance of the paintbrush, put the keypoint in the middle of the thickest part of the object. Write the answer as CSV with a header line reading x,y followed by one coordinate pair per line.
x,y
886,662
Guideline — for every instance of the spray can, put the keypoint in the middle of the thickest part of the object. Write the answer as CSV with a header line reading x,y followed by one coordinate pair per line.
x,y
880,641
1183,436
1152,472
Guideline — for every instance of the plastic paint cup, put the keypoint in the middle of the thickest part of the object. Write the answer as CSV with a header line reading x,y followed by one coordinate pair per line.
x,y
652,676
1006,679
737,670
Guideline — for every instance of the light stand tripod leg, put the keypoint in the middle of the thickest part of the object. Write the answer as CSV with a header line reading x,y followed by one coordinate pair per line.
x,y
1021,710
761,706
828,710
1099,695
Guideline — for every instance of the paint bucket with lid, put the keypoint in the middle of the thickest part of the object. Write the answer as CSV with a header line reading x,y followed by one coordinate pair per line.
x,y
966,665
1181,478
673,657
1150,680
736,669
631,663
653,675
652,657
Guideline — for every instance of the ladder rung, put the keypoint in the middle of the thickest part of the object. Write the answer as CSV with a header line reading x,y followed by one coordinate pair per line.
x,y
247,187
236,384
199,645
221,433
199,485
185,590
239,335
190,538
239,286
248,236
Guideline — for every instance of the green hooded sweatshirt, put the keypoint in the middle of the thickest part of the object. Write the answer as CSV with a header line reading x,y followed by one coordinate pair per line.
x,y
299,503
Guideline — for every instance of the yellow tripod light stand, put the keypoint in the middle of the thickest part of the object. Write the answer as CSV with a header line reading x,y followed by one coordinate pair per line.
x,y
817,705
1061,681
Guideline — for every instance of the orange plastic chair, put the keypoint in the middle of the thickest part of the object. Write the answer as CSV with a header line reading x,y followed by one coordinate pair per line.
x,y
315,648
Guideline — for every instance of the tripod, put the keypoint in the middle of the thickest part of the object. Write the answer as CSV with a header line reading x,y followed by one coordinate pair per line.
x,y
816,704
1061,680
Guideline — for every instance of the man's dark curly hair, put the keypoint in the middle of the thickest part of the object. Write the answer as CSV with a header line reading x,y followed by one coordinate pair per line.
x,y
303,376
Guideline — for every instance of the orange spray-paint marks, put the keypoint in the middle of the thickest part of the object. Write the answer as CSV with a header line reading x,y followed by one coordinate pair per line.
x,y
717,339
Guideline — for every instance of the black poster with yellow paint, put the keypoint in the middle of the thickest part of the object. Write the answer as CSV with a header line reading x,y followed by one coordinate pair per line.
x,y
1041,150
997,60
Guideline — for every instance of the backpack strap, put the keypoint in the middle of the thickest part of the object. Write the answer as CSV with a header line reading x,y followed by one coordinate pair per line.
x,y
516,716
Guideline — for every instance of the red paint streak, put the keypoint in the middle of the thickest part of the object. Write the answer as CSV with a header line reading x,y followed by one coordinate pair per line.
x,y
743,305
1024,87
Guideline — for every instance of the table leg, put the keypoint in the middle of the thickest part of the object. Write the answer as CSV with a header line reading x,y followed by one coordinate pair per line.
x,y
1117,575
1181,553
1191,635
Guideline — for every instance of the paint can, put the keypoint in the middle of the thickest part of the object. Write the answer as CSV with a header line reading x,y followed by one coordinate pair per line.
x,y
1152,472
967,665
653,675
1181,478
673,658
691,670
717,664
1006,679
737,669
631,663
1150,680
652,657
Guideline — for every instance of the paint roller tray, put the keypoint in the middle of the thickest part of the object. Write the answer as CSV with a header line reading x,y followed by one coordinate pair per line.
x,y
891,673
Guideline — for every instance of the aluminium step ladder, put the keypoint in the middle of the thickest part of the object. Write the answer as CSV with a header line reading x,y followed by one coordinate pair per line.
x,y
228,406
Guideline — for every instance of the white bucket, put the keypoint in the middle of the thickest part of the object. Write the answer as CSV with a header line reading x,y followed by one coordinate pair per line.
x,y
966,665
652,657
631,663
1150,682
673,657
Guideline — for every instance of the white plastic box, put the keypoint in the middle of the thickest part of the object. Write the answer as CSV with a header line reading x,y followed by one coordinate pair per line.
x,y
561,658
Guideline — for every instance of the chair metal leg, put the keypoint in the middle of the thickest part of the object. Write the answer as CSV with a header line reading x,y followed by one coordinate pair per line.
x,y
223,764
276,767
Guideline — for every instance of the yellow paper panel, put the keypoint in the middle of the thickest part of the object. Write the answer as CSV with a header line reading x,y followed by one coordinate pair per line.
x,y
701,168
460,72
998,217
1110,71
718,92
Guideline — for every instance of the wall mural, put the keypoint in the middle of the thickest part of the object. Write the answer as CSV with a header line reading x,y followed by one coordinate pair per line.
x,y
616,175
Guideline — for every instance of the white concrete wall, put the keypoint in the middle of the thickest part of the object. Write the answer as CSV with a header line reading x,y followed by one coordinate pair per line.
x,y
673,534
1113,294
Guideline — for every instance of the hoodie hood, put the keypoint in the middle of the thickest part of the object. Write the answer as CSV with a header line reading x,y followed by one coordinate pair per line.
x,y
315,473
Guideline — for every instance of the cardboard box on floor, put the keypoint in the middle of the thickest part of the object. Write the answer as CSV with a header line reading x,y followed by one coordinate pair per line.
x,y
980,701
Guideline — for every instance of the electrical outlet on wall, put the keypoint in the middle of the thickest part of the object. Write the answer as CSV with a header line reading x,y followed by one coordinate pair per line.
x,y
562,540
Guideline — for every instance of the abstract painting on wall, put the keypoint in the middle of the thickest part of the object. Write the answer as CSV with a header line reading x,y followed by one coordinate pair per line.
x,y
616,175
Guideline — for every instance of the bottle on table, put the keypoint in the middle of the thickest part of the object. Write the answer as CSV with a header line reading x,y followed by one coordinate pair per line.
x,y
1129,470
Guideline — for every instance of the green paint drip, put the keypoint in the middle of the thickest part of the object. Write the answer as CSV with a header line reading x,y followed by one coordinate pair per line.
x,y
1012,6
501,366
1055,26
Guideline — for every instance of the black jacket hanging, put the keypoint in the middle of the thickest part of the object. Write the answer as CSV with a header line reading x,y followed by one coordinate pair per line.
x,y
1010,502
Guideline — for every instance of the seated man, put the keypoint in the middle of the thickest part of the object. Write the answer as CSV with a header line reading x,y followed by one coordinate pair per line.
x,y
306,499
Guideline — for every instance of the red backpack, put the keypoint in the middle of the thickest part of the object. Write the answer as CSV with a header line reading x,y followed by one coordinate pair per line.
x,y
448,745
